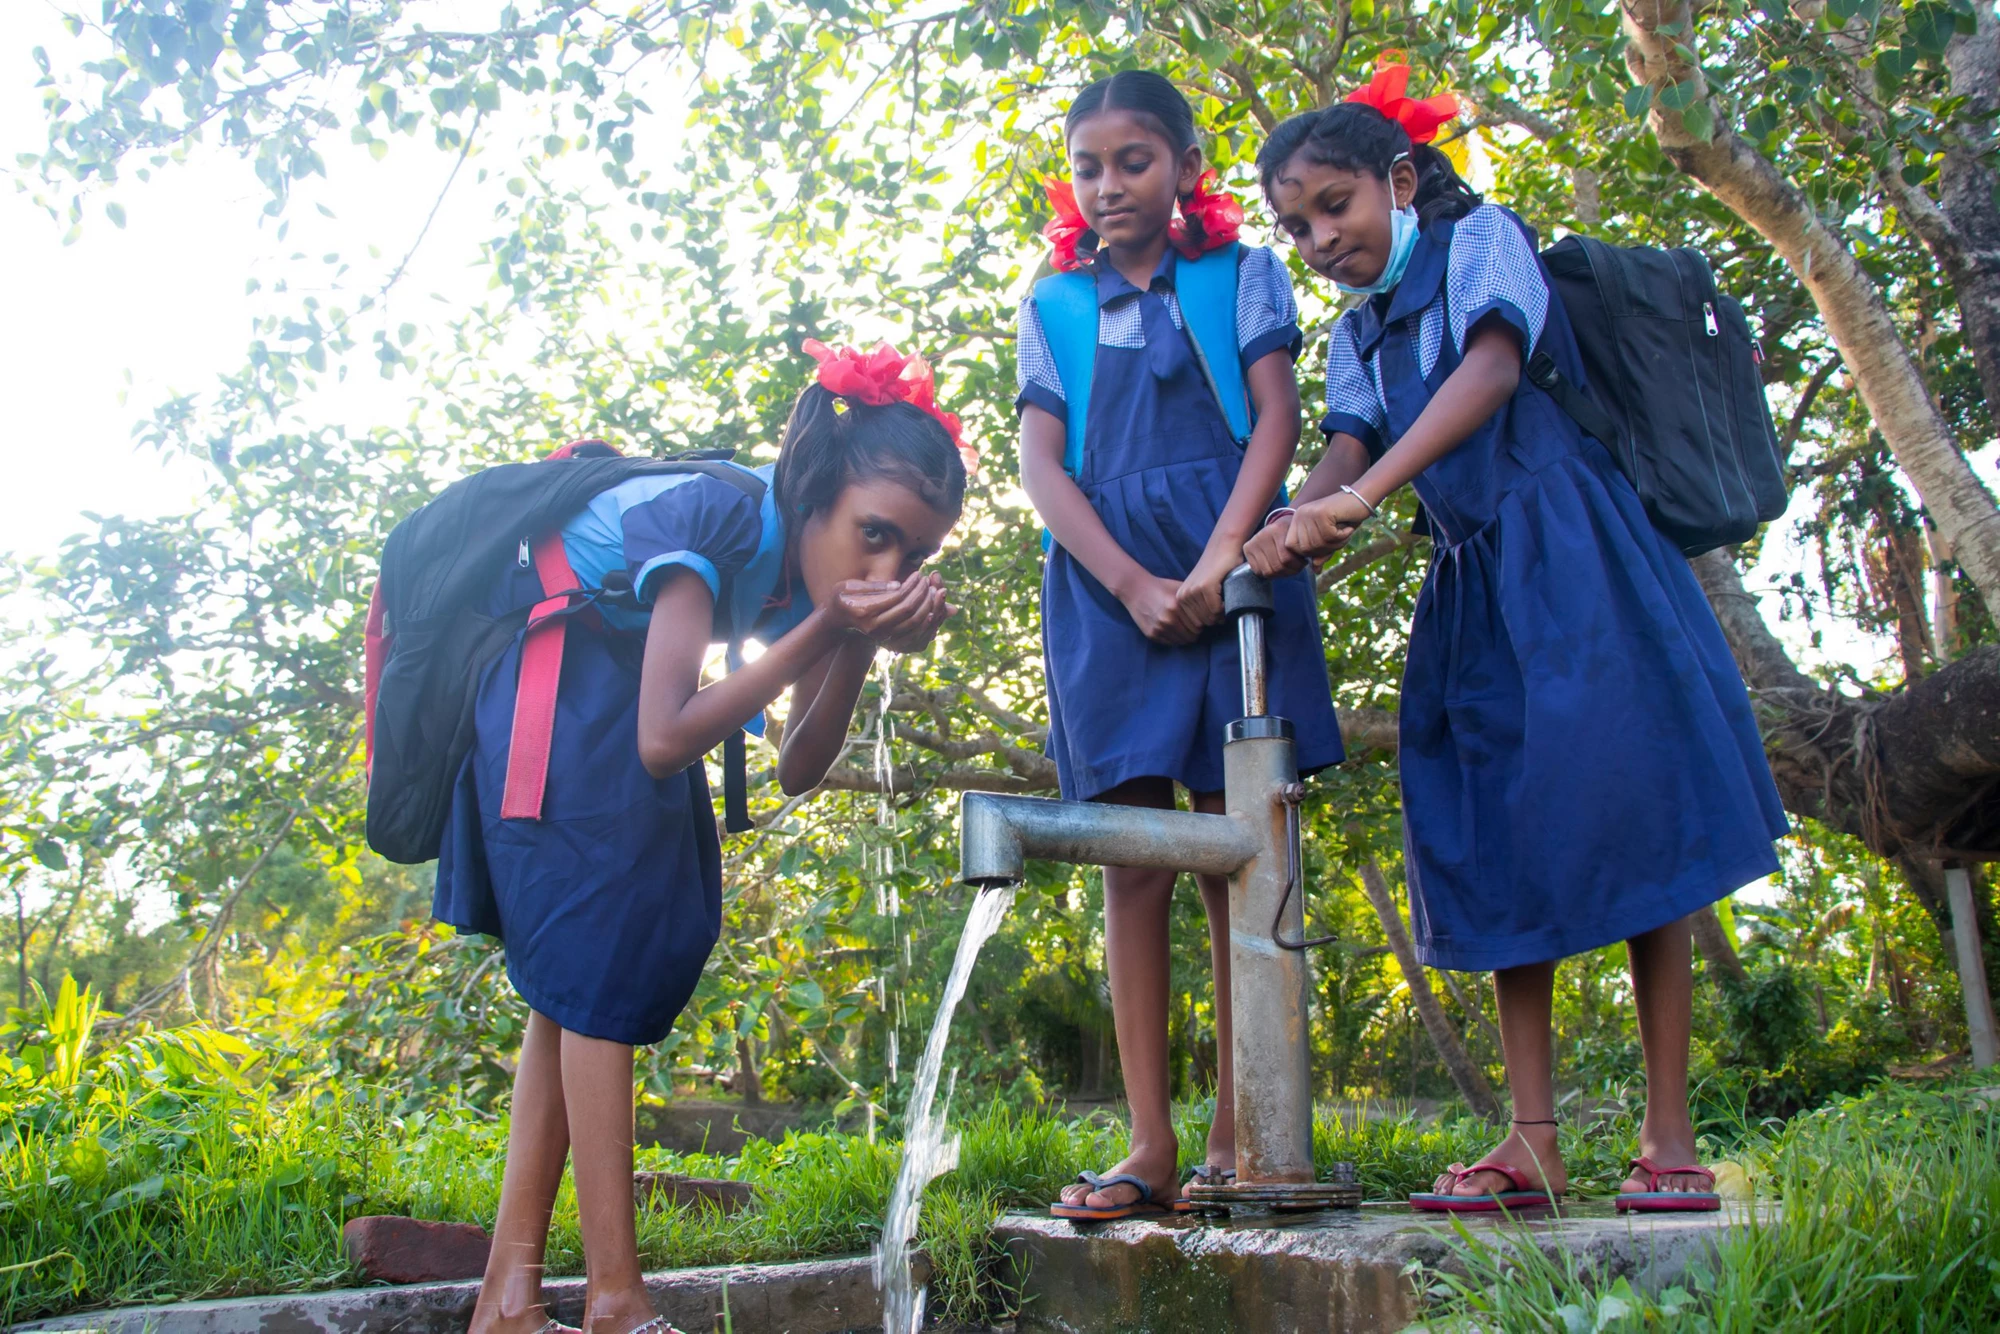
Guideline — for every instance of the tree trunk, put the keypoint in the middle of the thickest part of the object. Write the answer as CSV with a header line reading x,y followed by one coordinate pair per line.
x,y
1850,304
1916,770
1471,1081
1968,945
1966,187
1715,945
1927,882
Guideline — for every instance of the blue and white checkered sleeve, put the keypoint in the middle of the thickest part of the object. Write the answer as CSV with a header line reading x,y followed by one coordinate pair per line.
x,y
1353,403
1035,366
1267,315
1493,270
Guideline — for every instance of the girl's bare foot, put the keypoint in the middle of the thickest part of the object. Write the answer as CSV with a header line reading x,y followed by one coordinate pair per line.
x,y
532,1319
1530,1150
1153,1166
621,1313
1670,1146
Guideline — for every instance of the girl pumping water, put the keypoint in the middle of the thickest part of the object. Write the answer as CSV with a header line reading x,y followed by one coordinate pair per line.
x,y
1579,761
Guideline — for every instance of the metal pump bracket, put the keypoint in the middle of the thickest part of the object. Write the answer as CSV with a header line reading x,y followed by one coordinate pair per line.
x,y
1295,876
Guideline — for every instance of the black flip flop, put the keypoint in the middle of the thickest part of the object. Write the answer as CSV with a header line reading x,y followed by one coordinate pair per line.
x,y
1143,1207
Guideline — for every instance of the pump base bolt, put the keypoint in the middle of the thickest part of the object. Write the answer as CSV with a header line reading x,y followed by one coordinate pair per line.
x,y
1341,1192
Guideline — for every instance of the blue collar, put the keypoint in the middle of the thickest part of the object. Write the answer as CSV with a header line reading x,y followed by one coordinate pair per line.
x,y
759,579
754,585
1111,284
1421,283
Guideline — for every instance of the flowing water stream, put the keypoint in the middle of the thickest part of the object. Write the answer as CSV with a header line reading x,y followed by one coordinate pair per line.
x,y
929,1149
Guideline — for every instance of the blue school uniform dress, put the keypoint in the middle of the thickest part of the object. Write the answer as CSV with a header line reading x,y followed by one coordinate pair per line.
x,y
610,903
1158,465
1579,759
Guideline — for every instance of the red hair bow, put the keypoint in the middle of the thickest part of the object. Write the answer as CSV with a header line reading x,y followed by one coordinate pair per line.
x,y
1218,212
1220,216
882,375
1385,92
1066,228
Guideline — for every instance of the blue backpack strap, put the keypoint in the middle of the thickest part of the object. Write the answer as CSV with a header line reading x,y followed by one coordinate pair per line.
x,y
1067,305
1206,287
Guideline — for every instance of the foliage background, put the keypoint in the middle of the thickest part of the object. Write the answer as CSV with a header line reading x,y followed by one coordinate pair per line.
x,y
683,193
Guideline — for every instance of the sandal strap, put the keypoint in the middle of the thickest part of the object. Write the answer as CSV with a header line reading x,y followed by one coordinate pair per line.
x,y
657,1325
1654,1172
1460,1174
1098,1184
1513,1174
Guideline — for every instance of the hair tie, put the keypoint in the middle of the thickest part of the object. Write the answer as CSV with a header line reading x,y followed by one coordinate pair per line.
x,y
882,376
1219,215
1215,209
1066,228
1386,93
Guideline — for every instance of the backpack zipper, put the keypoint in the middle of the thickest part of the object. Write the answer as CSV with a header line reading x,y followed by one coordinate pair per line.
x,y
1701,405
522,557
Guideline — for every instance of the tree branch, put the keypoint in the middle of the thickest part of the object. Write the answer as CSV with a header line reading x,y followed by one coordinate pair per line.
x,y
1362,557
1852,306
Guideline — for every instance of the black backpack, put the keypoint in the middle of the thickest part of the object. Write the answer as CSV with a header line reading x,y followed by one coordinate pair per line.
x,y
1674,390
429,636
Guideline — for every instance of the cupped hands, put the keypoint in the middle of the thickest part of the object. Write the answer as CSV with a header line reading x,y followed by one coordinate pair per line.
x,y
902,616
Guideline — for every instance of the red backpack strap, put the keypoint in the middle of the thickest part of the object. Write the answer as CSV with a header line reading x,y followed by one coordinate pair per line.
x,y
374,648
535,693
570,449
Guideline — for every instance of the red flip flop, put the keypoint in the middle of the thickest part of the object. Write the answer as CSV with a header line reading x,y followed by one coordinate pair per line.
x,y
1657,1201
1523,1196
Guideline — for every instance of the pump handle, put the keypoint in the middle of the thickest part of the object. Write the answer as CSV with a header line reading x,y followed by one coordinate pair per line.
x,y
1245,590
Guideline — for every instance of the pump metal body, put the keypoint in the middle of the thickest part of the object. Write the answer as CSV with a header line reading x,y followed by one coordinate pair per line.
x,y
1256,844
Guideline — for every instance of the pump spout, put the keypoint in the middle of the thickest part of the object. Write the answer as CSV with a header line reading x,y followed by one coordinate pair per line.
x,y
998,834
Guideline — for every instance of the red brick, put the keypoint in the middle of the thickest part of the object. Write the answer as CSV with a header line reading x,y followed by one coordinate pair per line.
x,y
388,1249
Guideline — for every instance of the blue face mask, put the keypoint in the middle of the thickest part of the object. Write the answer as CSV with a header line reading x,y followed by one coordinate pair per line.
x,y
1403,231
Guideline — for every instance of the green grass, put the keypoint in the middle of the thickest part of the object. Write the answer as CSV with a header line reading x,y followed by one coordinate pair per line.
x,y
166,1173
1890,1220
173,1166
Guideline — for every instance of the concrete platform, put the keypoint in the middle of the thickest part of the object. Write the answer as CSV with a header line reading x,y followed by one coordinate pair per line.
x,y
811,1297
1327,1273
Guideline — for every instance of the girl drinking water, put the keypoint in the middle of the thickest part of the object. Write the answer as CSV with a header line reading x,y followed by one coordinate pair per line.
x,y
1579,760
1158,417
610,903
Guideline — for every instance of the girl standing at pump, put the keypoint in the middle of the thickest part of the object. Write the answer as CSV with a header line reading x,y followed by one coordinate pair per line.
x,y
1579,760
610,902
1159,415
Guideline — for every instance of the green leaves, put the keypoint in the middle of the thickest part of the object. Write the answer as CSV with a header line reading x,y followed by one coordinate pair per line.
x,y
140,1192
1931,27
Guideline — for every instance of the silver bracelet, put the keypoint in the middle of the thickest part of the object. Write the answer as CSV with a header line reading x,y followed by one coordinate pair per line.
x,y
1363,499
1282,512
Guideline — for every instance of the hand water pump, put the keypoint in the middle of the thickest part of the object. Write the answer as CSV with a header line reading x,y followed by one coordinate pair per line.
x,y
1256,844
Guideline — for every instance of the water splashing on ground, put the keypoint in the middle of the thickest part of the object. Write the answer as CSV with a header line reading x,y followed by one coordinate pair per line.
x,y
929,1149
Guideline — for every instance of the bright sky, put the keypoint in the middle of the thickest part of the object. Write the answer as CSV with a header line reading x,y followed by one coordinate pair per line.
x,y
163,301
101,331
